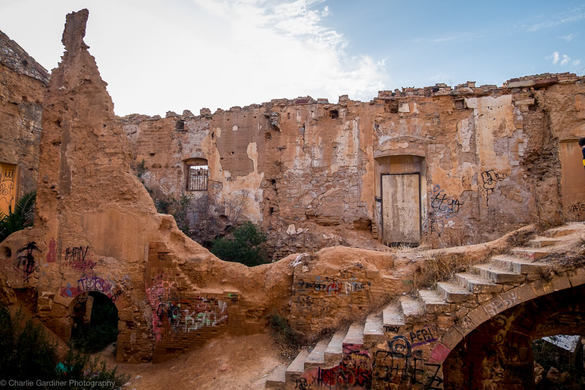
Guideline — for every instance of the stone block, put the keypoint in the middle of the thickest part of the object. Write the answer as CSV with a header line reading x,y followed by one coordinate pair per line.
x,y
451,338
560,282
577,277
520,84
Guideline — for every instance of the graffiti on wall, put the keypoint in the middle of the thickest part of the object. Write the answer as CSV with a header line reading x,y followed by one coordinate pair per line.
x,y
25,260
79,259
490,179
443,209
354,370
403,365
331,286
577,211
172,314
95,283
442,204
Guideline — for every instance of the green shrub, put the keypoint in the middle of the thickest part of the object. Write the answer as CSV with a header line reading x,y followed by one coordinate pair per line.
x,y
281,327
245,247
21,217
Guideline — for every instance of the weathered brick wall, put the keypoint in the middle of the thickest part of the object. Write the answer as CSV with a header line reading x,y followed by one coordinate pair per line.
x,y
489,157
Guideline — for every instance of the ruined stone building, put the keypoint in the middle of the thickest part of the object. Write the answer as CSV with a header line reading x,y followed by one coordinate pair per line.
x,y
435,167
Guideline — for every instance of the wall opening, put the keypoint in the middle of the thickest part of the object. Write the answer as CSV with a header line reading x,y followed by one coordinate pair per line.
x,y
95,322
197,174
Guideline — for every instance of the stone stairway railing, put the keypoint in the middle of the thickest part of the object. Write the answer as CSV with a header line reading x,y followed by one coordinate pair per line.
x,y
353,357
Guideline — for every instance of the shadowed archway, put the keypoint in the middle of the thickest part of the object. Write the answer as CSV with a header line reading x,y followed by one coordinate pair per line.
x,y
94,322
498,353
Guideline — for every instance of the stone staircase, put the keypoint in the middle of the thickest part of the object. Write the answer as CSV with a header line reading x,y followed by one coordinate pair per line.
x,y
423,316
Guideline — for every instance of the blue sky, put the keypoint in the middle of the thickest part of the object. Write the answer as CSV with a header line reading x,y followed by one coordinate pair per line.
x,y
161,55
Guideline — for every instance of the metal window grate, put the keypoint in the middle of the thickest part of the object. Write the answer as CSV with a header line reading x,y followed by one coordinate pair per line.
x,y
197,178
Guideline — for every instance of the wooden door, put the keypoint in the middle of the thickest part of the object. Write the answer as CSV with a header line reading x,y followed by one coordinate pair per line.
x,y
401,209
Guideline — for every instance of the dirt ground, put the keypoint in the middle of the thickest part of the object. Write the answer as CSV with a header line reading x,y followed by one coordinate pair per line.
x,y
227,362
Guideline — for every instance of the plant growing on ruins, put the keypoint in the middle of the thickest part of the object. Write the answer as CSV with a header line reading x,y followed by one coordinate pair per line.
x,y
21,217
140,170
285,336
235,205
245,247
176,207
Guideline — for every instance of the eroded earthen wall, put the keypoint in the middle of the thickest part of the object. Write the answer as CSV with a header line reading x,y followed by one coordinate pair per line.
x,y
22,86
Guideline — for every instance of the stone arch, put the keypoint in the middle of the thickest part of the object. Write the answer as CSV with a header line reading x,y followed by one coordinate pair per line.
x,y
499,353
502,302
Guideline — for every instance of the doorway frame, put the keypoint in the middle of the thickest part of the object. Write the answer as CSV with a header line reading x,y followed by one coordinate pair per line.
x,y
419,204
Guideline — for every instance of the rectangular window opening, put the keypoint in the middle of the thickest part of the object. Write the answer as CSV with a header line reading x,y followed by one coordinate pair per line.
x,y
197,179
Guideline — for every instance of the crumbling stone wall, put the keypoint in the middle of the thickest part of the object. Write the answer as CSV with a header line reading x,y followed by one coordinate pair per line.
x,y
22,85
489,158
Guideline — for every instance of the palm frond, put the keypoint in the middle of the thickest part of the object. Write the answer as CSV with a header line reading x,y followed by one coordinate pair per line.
x,y
21,217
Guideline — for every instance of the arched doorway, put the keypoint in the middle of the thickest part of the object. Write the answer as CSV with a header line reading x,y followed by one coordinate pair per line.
x,y
94,322
500,353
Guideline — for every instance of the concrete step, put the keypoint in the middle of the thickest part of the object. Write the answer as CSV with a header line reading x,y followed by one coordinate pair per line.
x,y
497,275
452,292
297,367
355,334
317,356
334,351
276,379
518,265
561,231
433,301
392,317
531,253
543,242
411,307
374,329
476,284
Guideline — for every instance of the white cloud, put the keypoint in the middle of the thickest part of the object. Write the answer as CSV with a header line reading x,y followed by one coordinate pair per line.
x,y
562,59
159,56
555,57
569,37
570,16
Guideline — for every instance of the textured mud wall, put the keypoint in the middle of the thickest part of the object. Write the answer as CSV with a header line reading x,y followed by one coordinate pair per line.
x,y
22,86
489,158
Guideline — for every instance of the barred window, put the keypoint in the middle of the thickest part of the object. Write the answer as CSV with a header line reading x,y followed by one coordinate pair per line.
x,y
197,175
